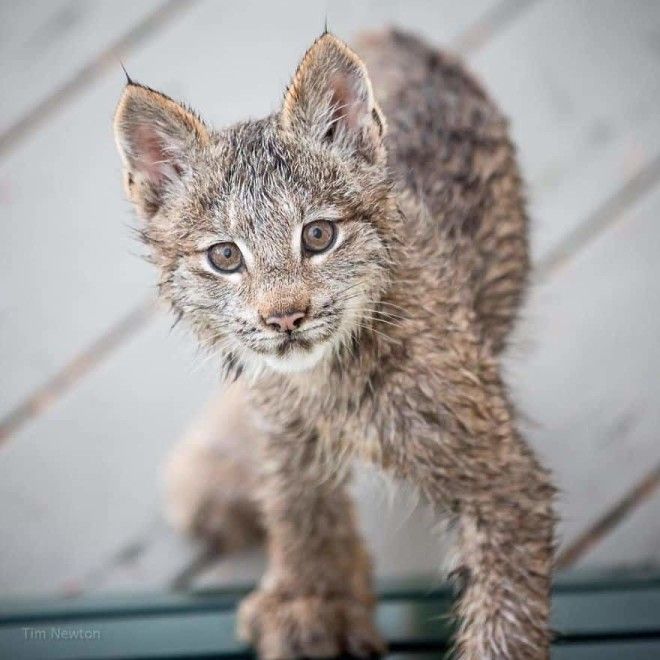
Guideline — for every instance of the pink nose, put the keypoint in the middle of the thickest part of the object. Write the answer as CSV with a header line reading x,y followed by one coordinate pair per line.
x,y
285,322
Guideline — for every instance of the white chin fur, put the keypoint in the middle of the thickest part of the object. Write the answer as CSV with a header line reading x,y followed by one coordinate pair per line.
x,y
295,361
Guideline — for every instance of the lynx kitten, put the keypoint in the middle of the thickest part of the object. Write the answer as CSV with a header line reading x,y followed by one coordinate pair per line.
x,y
357,260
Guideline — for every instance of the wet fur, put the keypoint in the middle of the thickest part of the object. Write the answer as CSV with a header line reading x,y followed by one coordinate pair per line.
x,y
414,307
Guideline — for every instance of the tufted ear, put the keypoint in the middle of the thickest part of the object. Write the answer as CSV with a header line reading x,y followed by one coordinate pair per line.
x,y
157,139
331,99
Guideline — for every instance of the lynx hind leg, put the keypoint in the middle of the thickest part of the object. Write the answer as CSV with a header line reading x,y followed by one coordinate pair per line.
x,y
209,478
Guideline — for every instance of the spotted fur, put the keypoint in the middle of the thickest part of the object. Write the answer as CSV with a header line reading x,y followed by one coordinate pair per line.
x,y
398,359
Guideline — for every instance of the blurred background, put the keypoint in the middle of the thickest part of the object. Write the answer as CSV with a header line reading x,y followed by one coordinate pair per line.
x,y
96,388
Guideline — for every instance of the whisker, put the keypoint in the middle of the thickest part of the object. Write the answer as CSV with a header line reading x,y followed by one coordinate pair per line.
x,y
377,332
379,320
389,315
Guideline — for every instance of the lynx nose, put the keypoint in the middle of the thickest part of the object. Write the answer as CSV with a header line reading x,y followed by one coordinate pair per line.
x,y
285,322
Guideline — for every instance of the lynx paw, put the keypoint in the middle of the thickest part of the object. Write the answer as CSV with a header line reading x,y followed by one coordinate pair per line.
x,y
208,497
308,627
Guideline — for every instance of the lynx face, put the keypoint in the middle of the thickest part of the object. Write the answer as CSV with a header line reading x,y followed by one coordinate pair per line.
x,y
286,254
270,235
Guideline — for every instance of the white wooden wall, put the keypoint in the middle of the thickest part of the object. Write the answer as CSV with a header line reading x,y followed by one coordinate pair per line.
x,y
95,388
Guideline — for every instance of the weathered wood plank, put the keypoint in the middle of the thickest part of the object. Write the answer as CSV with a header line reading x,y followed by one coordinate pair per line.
x,y
635,542
43,43
95,290
622,509
83,478
95,270
581,87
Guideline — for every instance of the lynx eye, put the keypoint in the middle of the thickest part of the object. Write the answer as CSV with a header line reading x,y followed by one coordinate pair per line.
x,y
318,236
225,257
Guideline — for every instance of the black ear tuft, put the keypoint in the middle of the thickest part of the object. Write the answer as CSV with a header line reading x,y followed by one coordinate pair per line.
x,y
129,80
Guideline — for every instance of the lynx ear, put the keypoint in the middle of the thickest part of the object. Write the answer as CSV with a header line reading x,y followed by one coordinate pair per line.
x,y
331,99
157,139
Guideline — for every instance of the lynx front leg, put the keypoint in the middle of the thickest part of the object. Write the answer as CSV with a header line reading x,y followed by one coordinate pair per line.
x,y
466,456
315,599
505,549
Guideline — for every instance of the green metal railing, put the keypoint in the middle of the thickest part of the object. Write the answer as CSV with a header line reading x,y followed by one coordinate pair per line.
x,y
595,616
